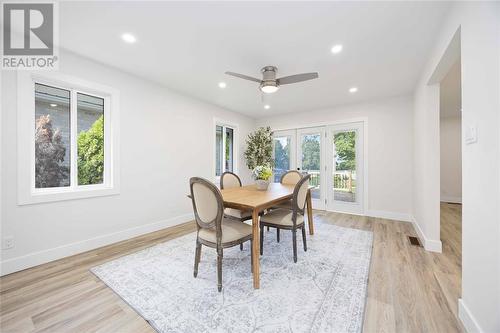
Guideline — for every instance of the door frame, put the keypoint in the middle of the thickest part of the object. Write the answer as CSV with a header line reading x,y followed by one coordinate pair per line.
x,y
364,120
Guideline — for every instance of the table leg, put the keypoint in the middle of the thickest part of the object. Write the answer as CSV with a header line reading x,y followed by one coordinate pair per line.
x,y
256,249
310,213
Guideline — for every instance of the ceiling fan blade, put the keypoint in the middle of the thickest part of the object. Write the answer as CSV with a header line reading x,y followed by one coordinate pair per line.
x,y
297,78
245,77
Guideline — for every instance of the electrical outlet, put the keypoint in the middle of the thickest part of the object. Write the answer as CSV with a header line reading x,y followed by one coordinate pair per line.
x,y
8,242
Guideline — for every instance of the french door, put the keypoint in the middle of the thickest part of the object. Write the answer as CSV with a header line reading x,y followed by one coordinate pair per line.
x,y
310,160
333,156
302,150
345,168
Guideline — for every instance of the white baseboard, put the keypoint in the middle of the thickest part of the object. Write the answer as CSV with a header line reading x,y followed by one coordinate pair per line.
x,y
389,215
42,257
429,244
468,320
446,198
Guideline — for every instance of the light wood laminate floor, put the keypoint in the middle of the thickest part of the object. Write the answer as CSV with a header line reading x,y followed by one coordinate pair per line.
x,y
409,290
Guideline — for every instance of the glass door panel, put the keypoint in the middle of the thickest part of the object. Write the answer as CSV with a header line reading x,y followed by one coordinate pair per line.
x,y
345,168
310,161
344,175
284,153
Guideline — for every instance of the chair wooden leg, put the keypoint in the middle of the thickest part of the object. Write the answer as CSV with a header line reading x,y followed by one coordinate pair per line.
x,y
278,234
197,258
294,236
304,237
219,269
261,241
267,228
241,247
251,255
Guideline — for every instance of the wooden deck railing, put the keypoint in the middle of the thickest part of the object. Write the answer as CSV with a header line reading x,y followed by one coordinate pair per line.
x,y
343,180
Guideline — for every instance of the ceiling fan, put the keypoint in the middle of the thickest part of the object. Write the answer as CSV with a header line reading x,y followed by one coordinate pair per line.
x,y
270,84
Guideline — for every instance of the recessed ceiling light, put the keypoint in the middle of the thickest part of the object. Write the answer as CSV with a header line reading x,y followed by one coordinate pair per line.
x,y
129,38
353,90
267,106
53,105
336,48
222,85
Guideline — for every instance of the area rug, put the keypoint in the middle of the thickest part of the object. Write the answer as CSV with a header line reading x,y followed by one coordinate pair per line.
x,y
324,291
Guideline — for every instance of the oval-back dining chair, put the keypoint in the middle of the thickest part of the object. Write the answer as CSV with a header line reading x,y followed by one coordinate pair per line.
x,y
230,180
213,229
291,177
289,220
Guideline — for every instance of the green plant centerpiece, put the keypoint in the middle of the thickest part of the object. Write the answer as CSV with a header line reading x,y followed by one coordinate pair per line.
x,y
259,156
262,174
259,149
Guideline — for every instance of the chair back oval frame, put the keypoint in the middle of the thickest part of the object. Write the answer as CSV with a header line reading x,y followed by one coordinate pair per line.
x,y
226,174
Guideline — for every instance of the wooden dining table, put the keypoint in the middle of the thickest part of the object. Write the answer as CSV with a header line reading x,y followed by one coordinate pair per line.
x,y
248,198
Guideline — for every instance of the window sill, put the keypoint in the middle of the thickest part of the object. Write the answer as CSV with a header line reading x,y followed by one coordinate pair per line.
x,y
62,194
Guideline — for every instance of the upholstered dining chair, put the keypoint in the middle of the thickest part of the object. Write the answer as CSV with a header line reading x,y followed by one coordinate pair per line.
x,y
291,177
213,229
289,220
229,180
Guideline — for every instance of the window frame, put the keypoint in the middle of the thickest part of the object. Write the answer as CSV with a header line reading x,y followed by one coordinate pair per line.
x,y
224,124
27,192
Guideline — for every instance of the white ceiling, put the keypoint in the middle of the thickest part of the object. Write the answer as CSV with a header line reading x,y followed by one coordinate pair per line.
x,y
188,46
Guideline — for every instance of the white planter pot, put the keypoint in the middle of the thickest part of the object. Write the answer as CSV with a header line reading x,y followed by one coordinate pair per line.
x,y
262,185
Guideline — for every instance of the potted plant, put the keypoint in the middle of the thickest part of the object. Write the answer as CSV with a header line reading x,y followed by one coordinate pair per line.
x,y
261,174
259,149
259,156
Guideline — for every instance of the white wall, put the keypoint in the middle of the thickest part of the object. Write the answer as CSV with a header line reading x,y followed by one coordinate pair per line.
x,y
165,139
390,141
451,159
479,307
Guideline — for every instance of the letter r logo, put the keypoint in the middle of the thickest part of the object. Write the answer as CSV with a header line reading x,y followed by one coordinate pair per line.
x,y
28,29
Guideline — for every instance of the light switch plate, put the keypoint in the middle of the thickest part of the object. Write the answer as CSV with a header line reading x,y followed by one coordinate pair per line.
x,y
470,134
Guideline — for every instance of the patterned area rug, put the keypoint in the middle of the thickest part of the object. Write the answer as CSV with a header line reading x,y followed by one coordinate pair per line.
x,y
324,291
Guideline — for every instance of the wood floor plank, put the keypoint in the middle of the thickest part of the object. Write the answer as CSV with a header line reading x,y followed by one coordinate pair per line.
x,y
409,289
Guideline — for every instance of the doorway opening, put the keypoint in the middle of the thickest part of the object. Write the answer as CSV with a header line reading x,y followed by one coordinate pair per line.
x,y
450,137
450,133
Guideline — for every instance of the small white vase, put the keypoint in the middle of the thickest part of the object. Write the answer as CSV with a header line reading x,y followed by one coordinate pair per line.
x,y
262,185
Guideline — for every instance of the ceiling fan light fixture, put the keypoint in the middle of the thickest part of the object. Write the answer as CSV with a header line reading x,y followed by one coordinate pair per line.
x,y
129,38
270,84
336,48
269,87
